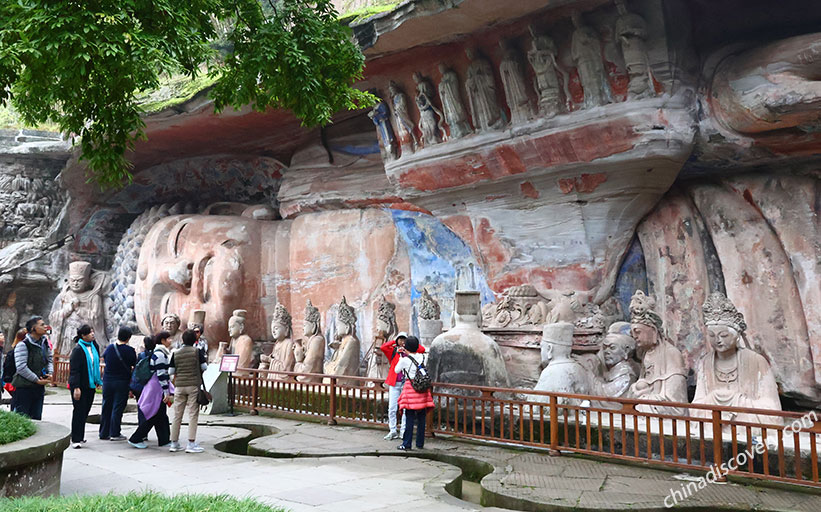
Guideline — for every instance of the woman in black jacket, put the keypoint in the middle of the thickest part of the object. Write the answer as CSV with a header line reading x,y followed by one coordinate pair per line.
x,y
83,380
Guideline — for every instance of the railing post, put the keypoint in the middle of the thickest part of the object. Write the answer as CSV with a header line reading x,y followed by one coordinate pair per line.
x,y
332,411
254,393
717,444
54,360
554,425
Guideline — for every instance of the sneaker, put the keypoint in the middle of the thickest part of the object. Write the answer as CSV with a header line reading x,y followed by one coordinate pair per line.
x,y
403,448
76,445
174,446
391,436
141,445
118,438
194,448
104,439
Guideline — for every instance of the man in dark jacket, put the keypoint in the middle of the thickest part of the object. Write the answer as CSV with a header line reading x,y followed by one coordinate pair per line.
x,y
33,360
119,360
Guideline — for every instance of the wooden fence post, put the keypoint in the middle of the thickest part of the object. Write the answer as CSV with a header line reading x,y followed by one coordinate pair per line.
x,y
254,393
717,444
554,425
332,407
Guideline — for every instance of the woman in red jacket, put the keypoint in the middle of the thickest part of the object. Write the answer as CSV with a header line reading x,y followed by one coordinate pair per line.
x,y
391,350
414,404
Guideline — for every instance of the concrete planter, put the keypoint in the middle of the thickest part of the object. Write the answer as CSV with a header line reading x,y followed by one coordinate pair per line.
x,y
32,467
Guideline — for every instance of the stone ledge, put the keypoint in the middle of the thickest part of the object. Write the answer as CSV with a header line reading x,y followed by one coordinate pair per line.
x,y
32,467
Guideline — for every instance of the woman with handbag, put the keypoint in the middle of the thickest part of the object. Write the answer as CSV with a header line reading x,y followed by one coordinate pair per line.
x,y
119,359
187,365
83,380
156,395
414,402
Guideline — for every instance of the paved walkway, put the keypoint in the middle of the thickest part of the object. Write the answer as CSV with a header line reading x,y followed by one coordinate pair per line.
x,y
305,466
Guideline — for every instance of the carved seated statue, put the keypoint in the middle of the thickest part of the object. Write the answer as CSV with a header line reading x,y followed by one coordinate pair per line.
x,y
310,351
281,358
562,373
386,329
80,302
619,374
731,373
464,354
663,376
346,357
171,323
241,343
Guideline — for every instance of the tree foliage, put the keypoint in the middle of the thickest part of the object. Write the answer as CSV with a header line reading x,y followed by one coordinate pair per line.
x,y
81,63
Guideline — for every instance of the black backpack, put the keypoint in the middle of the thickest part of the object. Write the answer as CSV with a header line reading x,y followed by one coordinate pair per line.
x,y
421,381
9,367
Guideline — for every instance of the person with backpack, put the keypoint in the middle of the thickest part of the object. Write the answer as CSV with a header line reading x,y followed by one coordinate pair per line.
x,y
119,359
156,396
416,397
142,370
187,365
33,368
83,381
395,381
9,366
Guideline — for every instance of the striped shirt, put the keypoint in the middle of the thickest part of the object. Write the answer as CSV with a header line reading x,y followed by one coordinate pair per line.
x,y
159,364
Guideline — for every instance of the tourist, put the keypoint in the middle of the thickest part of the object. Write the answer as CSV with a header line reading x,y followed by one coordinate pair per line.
x,y
135,386
83,380
32,359
414,404
188,363
9,368
119,359
201,343
395,381
155,397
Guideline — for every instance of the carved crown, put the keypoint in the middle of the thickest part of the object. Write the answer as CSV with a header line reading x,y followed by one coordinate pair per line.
x,y
719,310
428,307
281,316
346,312
642,310
386,312
311,313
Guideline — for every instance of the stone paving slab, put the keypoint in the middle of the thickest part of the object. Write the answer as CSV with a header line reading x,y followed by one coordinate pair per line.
x,y
323,468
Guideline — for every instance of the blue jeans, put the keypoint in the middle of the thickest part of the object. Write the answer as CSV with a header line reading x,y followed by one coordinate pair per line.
x,y
115,396
414,417
29,401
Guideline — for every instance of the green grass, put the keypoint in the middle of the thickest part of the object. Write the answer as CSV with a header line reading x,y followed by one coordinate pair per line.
x,y
14,427
134,502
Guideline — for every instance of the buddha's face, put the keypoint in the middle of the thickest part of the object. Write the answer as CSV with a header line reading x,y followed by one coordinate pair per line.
x,y
279,331
644,335
310,328
171,325
12,300
78,283
723,339
382,326
613,351
342,328
208,262
235,328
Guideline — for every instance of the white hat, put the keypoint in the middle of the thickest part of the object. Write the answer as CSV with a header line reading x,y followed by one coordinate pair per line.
x,y
560,333
402,334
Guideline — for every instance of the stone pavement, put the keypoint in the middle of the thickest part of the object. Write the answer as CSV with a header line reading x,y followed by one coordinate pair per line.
x,y
305,466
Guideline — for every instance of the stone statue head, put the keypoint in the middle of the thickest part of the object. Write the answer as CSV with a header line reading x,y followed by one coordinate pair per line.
x,y
281,323
559,339
471,53
79,276
725,324
467,308
386,319
645,323
540,42
617,346
236,324
345,319
196,322
311,325
620,6
417,77
442,68
11,300
171,323
393,88
576,17
428,307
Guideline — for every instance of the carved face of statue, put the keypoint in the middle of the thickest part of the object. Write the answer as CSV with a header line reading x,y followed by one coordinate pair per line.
x,y
382,326
12,300
644,335
613,351
342,328
279,331
171,325
722,338
309,328
78,284
235,328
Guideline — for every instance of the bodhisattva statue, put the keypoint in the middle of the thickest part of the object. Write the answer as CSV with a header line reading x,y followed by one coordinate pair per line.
x,y
311,346
171,323
430,117
452,107
481,89
562,373
731,373
663,376
386,329
346,346
404,125
585,50
241,343
380,114
542,57
9,317
513,80
631,35
282,357
80,302
617,353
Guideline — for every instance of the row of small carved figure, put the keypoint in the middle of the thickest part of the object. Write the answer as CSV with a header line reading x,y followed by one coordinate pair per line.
x,y
480,86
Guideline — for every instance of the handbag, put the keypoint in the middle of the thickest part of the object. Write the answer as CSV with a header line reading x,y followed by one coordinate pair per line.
x,y
203,397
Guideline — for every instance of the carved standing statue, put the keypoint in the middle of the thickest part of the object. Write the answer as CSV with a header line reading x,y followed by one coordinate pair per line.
x,y
513,80
430,117
404,125
345,360
481,89
9,318
585,50
663,376
542,57
312,345
731,373
80,302
281,358
241,343
171,323
617,351
562,373
380,114
631,35
452,107
386,329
